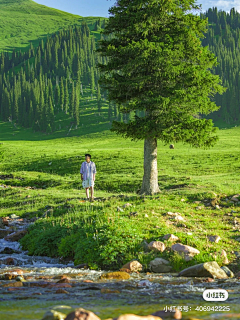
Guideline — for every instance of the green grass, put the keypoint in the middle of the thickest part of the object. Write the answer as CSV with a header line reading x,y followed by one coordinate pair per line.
x,y
45,175
25,21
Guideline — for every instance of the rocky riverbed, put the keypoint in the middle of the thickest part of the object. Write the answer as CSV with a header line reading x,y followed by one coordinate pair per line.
x,y
30,286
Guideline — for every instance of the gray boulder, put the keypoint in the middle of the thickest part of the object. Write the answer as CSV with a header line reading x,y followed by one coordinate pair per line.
x,y
160,265
228,272
209,269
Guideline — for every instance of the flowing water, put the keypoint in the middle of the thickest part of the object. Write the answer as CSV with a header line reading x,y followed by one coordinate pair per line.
x,y
142,294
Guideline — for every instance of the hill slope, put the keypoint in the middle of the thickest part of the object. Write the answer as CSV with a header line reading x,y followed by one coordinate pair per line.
x,y
25,21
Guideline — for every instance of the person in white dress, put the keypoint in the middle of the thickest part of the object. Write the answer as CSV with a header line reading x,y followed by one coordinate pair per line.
x,y
88,172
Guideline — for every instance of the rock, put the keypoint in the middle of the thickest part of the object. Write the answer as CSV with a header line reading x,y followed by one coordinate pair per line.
x,y
144,245
7,276
133,266
13,284
214,239
146,215
126,270
156,246
61,291
9,261
14,216
235,198
5,221
82,314
54,315
199,208
209,280
17,271
133,214
64,280
8,250
222,255
179,218
176,314
144,283
129,316
20,278
186,251
171,146
214,202
37,293
120,275
237,254
59,285
176,215
126,205
16,235
173,214
160,265
187,256
228,272
4,233
217,206
170,237
207,269
105,290
41,284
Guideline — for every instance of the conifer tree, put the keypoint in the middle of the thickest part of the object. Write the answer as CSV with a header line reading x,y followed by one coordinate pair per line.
x,y
66,96
99,99
109,111
50,115
92,81
30,115
62,97
163,73
71,111
76,107
57,96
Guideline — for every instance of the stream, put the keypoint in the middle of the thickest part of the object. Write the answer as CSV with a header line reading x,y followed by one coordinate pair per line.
x,y
142,294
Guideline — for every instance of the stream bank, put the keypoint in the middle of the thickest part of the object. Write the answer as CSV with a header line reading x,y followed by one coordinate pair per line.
x,y
48,283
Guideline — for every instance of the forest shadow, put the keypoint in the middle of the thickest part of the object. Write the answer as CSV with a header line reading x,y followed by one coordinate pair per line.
x,y
23,134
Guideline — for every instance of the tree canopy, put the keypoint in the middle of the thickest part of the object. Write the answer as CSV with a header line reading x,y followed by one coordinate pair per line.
x,y
158,64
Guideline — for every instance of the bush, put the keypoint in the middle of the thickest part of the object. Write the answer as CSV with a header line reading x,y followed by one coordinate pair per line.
x,y
109,246
43,241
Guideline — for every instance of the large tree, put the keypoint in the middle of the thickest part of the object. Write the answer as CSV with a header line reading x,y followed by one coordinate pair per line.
x,y
156,63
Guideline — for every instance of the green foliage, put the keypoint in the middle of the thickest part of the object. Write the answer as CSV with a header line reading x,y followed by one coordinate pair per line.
x,y
185,85
109,245
1,152
145,257
178,263
45,242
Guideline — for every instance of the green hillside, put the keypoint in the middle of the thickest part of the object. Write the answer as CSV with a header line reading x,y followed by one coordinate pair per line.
x,y
25,21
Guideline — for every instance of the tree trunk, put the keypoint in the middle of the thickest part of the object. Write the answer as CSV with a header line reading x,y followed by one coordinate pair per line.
x,y
150,177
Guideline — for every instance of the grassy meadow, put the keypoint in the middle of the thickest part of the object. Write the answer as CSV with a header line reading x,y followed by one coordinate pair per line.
x,y
25,21
39,177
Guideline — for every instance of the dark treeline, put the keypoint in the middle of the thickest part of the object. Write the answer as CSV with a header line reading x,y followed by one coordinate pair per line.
x,y
37,84
223,39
